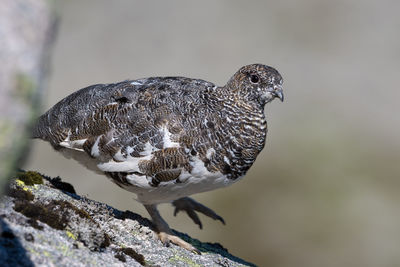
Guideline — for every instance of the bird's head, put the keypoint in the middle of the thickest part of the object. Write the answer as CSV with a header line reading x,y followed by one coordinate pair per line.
x,y
257,83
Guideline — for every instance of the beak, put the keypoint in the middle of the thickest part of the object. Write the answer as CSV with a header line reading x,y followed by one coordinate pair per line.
x,y
278,93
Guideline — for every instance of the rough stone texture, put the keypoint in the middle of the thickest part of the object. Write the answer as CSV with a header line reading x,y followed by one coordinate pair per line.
x,y
26,33
47,224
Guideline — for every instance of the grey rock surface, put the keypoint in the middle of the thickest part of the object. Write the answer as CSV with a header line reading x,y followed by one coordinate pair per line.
x,y
44,223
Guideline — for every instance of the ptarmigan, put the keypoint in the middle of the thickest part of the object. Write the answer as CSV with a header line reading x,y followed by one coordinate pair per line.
x,y
165,138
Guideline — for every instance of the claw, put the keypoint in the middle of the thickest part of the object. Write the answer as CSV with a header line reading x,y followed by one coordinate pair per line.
x,y
176,211
195,218
190,206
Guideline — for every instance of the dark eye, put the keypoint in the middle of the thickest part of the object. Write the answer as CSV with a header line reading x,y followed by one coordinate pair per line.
x,y
254,78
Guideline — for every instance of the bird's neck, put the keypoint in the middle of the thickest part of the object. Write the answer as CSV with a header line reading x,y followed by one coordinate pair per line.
x,y
243,121
239,111
239,127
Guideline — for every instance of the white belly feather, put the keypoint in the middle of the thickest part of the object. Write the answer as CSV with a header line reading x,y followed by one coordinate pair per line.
x,y
198,180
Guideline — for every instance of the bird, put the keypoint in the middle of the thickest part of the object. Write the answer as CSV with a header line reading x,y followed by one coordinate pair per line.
x,y
166,138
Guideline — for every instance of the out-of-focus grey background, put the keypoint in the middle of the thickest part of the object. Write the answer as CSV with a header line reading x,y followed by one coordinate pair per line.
x,y
325,190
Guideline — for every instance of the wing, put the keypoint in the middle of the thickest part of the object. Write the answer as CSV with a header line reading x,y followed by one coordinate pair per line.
x,y
130,127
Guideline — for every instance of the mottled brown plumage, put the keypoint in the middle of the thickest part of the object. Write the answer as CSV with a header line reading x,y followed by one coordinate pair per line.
x,y
165,138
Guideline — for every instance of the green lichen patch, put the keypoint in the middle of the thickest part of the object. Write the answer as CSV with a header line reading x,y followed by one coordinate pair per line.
x,y
30,177
19,193
131,253
179,259
70,235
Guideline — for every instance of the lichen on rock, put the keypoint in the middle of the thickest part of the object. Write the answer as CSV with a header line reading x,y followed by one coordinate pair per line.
x,y
41,224
30,177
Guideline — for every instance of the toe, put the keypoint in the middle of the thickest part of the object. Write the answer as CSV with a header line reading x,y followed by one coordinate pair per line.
x,y
207,211
195,218
191,207
219,218
166,239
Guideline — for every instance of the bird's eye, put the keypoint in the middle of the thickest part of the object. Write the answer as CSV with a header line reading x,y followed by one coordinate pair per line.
x,y
254,78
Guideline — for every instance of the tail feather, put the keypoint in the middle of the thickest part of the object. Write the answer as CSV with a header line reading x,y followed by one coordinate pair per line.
x,y
39,128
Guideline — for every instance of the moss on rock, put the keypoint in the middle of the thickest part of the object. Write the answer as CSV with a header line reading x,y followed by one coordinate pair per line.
x,y
41,212
19,193
131,253
30,177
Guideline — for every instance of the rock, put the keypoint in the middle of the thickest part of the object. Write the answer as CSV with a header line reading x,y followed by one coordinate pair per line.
x,y
47,224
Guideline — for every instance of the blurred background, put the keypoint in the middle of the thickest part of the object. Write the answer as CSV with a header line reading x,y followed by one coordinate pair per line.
x,y
326,189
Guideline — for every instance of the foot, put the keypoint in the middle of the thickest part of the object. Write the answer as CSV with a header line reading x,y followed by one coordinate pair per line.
x,y
165,233
191,206
167,238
